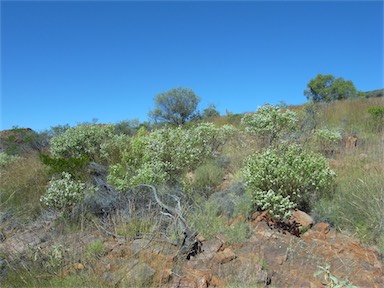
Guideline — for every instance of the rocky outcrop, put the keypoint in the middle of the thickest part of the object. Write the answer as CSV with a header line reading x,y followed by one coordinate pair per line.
x,y
268,257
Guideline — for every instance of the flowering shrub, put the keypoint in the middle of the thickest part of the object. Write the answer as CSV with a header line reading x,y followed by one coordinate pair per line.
x,y
112,149
298,176
6,159
81,141
327,139
279,207
63,193
270,121
163,155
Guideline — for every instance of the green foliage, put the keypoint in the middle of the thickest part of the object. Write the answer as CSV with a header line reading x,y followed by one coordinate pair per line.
x,y
210,112
22,182
326,88
357,205
298,176
81,141
209,223
207,177
17,141
374,93
327,140
58,130
377,118
111,150
127,127
164,155
278,207
270,121
63,193
175,106
134,227
237,233
310,119
6,159
95,249
74,166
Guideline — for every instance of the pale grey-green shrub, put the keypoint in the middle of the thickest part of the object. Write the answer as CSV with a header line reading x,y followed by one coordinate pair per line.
x,y
164,155
298,176
64,192
327,140
279,207
82,140
113,148
6,159
270,121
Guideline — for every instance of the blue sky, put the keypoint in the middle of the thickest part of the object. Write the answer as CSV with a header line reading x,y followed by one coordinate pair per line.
x,y
73,61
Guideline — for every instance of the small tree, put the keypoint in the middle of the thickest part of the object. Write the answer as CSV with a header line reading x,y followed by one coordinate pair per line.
x,y
327,88
175,106
270,121
210,112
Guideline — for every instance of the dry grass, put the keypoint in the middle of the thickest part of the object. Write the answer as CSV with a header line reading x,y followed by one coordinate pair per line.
x,y
22,183
351,116
358,203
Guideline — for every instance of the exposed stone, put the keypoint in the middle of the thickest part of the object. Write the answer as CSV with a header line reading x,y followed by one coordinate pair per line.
x,y
242,270
141,274
303,219
267,257
314,235
259,216
78,266
321,227
351,142
224,256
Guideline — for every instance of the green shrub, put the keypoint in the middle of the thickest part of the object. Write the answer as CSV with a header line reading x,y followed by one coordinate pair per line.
x,y
327,140
6,159
95,249
377,118
113,148
134,227
81,141
164,155
207,177
279,207
63,193
237,233
270,121
74,166
209,223
298,176
357,205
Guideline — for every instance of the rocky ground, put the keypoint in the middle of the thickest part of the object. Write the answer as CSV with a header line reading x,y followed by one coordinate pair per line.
x,y
268,258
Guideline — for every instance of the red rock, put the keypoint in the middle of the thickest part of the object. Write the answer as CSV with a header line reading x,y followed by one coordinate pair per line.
x,y
259,216
321,227
314,235
302,218
224,256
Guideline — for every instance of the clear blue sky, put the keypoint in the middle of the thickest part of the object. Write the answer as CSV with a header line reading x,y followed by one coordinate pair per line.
x,y
72,61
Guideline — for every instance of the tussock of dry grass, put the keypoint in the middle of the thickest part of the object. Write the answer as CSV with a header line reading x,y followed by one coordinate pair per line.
x,y
350,116
22,184
358,203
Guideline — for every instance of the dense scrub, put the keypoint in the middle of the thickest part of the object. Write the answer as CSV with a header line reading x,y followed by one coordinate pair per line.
x,y
271,159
